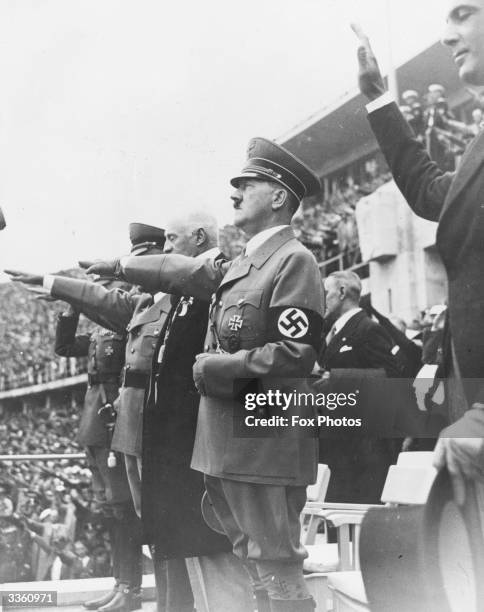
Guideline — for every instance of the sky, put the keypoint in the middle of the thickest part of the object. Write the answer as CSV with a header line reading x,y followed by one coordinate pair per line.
x,y
113,111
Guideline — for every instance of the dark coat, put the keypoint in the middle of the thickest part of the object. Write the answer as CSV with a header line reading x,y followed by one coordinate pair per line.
x,y
455,201
359,464
105,352
266,316
171,490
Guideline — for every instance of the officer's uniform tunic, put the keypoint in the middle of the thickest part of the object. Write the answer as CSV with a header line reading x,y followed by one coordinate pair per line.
x,y
265,320
105,352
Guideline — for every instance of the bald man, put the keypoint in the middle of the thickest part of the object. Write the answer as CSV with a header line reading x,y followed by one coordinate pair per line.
x,y
171,490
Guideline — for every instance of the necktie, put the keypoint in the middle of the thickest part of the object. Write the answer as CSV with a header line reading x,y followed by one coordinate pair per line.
x,y
331,335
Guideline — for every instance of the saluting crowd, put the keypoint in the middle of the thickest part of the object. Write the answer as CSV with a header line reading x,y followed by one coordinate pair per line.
x,y
183,334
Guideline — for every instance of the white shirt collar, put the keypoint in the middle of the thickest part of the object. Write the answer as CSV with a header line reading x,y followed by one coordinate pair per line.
x,y
255,242
344,318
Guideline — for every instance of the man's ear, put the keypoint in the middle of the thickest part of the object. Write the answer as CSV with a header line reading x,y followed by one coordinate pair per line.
x,y
279,198
200,236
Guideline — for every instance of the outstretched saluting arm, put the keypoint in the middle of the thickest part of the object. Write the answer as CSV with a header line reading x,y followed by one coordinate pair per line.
x,y
111,309
175,274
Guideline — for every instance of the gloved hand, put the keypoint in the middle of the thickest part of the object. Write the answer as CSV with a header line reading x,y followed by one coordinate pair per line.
x,y
105,268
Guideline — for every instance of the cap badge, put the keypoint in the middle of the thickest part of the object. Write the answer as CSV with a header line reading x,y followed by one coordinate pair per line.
x,y
236,322
109,351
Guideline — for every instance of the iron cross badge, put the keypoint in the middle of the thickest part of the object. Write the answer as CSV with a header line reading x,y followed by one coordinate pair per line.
x,y
236,322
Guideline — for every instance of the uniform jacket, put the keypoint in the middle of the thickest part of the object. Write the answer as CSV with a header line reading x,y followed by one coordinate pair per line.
x,y
105,352
265,320
359,464
143,321
455,201
171,490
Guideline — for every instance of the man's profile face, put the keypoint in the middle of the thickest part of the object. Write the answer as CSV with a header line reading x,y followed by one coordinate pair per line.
x,y
180,239
252,205
464,34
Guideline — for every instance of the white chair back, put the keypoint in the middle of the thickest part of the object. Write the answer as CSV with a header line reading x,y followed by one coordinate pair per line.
x,y
317,491
410,480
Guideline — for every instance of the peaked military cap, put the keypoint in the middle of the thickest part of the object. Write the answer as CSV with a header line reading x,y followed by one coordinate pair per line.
x,y
267,160
144,236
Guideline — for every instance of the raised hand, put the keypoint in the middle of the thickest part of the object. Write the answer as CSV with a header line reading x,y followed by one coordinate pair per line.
x,y
25,277
369,76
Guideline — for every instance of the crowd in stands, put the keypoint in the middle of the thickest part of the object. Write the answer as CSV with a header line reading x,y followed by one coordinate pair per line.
x,y
326,225
437,127
50,524
27,328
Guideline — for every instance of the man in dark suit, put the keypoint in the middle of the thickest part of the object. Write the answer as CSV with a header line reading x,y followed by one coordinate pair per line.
x,y
265,320
171,490
358,350
453,199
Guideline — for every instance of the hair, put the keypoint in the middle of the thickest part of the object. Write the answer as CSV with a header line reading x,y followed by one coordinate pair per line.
x,y
350,281
200,219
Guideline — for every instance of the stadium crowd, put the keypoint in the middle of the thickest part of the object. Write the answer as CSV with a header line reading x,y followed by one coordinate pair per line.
x,y
48,511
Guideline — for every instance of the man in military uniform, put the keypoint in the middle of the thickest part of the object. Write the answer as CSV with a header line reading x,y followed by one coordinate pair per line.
x,y
143,316
265,320
105,351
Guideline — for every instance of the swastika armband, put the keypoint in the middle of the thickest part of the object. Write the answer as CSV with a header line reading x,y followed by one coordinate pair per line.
x,y
296,324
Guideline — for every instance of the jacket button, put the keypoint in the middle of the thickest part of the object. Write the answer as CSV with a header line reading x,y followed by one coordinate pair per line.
x,y
132,350
206,348
220,304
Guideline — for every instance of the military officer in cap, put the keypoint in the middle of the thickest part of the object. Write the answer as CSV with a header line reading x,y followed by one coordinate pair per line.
x,y
142,316
105,350
265,320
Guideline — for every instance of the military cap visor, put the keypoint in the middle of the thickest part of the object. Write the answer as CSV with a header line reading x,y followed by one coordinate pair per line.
x,y
268,161
141,234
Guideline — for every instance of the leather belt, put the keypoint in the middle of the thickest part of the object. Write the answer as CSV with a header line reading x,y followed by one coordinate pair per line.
x,y
99,379
135,378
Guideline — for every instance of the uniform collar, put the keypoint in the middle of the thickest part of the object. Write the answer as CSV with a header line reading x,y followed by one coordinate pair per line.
x,y
261,237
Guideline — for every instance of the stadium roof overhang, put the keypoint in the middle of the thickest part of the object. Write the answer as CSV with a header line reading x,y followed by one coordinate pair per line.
x,y
340,135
